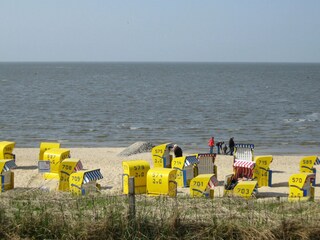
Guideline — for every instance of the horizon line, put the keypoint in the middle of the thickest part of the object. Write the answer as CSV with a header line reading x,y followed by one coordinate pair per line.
x,y
217,62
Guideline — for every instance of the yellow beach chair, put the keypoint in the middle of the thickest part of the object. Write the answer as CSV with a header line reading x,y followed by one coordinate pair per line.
x,y
161,156
6,149
300,187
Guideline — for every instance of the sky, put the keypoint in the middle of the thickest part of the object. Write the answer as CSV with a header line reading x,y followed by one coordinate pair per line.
x,y
160,30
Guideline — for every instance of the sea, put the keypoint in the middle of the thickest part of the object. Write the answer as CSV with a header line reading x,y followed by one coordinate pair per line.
x,y
275,106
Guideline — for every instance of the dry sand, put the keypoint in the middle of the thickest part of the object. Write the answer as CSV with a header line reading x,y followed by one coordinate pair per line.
x,y
107,159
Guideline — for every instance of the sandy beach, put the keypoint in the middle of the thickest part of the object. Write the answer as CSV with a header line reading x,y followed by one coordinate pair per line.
x,y
110,163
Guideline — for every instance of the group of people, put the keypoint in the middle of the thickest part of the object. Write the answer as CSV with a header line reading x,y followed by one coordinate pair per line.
x,y
220,148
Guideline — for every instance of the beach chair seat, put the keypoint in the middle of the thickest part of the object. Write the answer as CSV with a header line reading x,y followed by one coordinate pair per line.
x,y
241,182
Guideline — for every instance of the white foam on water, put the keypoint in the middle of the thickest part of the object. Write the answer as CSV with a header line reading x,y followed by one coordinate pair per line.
x,y
313,117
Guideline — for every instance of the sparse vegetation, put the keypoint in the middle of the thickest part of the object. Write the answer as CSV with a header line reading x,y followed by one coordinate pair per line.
x,y
41,215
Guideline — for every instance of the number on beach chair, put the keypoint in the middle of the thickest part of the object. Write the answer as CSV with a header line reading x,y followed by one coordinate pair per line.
x,y
186,167
161,156
67,167
203,185
44,146
83,182
161,181
307,164
262,172
137,169
300,187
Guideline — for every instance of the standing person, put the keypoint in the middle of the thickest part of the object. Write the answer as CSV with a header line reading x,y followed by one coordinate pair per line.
x,y
231,146
218,147
211,144
177,151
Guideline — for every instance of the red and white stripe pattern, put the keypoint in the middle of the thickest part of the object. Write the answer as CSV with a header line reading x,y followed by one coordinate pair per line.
x,y
243,168
243,163
78,167
213,182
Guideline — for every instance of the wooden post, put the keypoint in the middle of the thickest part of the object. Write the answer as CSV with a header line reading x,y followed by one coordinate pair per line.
x,y
132,200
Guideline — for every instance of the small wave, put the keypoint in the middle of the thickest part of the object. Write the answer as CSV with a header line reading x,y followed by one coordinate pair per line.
x,y
313,117
308,118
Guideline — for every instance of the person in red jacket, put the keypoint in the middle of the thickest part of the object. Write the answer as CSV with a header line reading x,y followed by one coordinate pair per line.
x,y
211,144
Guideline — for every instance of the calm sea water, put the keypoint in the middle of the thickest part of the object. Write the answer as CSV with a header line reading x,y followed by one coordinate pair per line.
x,y
274,106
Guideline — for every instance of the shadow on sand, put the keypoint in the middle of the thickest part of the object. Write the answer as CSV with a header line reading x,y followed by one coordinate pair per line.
x,y
271,194
281,184
27,167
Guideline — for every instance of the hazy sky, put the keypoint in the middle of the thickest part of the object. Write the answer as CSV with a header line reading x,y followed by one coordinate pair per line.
x,y
160,30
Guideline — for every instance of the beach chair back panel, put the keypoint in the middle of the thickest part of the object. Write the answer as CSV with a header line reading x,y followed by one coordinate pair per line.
x,y
245,189
56,156
67,167
161,155
206,163
44,146
300,186
307,164
202,185
185,169
262,171
137,169
244,152
161,181
6,149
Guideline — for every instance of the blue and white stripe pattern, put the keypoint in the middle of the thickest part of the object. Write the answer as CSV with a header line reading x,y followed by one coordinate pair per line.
x,y
9,165
240,145
190,160
317,162
92,176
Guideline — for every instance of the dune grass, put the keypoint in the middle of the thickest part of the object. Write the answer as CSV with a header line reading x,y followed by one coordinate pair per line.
x,y
41,215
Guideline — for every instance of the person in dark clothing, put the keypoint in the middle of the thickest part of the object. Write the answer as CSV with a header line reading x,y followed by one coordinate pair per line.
x,y
177,151
219,147
231,146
